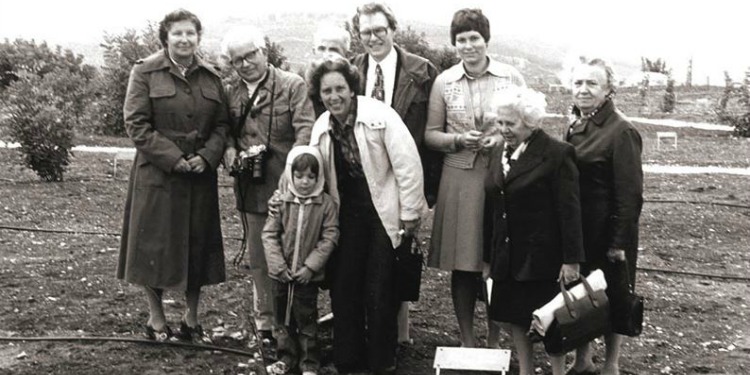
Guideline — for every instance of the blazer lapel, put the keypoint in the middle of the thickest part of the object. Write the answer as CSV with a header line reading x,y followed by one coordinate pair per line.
x,y
530,158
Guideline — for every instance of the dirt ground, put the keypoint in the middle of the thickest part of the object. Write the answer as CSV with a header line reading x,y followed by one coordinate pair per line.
x,y
62,284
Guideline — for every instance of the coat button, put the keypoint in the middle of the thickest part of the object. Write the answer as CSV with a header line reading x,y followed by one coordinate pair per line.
x,y
188,91
507,239
189,115
253,134
504,215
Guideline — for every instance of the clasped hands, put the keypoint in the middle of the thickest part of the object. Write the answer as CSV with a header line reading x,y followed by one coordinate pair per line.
x,y
474,140
191,163
302,276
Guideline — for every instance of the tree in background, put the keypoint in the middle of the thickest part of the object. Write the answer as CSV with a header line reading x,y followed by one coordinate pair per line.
x,y
689,78
655,66
643,94
275,54
41,120
668,102
120,54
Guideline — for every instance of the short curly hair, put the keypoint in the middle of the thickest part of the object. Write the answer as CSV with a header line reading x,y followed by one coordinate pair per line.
x,y
527,103
470,20
177,16
329,64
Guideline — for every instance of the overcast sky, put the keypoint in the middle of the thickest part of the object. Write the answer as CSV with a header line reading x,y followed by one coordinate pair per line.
x,y
714,32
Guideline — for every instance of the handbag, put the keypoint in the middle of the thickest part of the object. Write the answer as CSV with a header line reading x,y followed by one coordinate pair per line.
x,y
578,321
627,307
409,263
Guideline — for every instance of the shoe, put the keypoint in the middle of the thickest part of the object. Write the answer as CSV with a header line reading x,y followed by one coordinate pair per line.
x,y
152,334
277,368
266,338
573,371
196,334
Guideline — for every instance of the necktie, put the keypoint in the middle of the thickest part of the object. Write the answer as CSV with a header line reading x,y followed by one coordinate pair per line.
x,y
378,91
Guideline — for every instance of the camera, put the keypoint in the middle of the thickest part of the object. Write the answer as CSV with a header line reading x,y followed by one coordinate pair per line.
x,y
250,164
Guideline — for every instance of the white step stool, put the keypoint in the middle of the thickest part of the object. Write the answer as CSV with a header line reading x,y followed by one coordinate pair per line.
x,y
665,135
472,359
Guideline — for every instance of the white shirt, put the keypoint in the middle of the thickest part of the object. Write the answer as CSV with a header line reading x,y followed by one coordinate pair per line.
x,y
388,66
516,154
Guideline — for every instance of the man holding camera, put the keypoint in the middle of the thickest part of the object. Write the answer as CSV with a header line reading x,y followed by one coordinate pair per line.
x,y
270,113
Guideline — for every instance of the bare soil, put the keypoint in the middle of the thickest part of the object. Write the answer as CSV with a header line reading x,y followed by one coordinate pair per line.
x,y
62,284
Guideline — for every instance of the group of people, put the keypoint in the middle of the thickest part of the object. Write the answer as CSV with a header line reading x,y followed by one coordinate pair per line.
x,y
334,171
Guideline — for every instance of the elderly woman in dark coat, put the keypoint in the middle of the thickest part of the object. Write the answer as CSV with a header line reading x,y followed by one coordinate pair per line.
x,y
175,113
533,218
609,160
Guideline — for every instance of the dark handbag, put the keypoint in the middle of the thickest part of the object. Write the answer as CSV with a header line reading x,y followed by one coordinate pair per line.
x,y
626,307
409,263
579,321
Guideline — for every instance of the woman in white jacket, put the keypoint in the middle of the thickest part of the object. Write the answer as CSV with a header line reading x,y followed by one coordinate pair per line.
x,y
374,172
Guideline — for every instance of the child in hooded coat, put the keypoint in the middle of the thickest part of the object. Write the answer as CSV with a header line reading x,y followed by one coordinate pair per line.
x,y
297,241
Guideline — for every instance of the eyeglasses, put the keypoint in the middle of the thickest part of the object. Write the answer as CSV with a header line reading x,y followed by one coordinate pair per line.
x,y
249,58
379,32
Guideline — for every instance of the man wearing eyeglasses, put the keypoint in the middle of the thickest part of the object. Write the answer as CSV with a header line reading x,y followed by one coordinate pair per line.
x,y
403,81
269,107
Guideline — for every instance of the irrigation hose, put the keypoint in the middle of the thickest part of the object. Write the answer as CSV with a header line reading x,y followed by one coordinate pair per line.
x,y
134,340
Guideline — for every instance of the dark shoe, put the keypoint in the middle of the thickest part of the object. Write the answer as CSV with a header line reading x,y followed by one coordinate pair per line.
x,y
193,334
573,371
164,335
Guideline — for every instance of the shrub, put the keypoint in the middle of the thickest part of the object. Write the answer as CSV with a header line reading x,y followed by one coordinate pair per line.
x,y
667,104
42,122
120,54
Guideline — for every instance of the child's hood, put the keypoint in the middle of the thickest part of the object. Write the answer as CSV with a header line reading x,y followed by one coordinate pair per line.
x,y
320,182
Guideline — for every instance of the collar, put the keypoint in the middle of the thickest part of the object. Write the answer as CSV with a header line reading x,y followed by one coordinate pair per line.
x,y
390,60
599,115
351,118
160,60
288,196
495,68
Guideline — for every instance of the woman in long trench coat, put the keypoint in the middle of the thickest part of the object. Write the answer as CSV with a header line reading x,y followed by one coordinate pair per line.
x,y
175,113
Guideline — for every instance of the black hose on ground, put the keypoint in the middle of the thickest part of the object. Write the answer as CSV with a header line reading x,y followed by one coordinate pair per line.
x,y
179,344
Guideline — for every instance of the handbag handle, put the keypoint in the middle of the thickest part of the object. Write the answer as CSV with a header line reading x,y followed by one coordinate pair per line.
x,y
631,286
569,299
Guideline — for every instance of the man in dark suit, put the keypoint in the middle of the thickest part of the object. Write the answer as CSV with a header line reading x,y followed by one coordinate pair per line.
x,y
403,81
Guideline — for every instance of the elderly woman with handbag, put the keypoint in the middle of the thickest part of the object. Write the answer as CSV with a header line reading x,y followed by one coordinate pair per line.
x,y
611,179
532,217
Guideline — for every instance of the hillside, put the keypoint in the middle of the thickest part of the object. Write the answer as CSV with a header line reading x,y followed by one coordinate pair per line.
x,y
539,61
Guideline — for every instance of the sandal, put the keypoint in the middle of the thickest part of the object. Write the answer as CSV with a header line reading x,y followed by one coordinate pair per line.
x,y
152,334
188,333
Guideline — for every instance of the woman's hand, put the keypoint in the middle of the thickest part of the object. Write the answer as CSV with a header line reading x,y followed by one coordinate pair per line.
x,y
303,275
229,155
182,166
286,276
615,255
197,164
469,140
274,203
569,272
487,143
